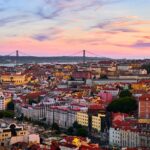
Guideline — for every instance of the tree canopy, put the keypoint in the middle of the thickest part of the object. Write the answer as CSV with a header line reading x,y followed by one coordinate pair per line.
x,y
82,132
70,130
123,105
31,101
103,76
55,126
77,130
7,114
76,125
125,93
13,130
10,105
147,67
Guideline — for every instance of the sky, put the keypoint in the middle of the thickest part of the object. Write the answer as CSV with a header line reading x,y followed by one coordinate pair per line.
x,y
105,28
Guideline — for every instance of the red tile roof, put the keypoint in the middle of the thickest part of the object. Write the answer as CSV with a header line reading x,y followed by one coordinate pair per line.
x,y
145,97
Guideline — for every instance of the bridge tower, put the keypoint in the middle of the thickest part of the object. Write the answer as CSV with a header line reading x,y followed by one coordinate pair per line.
x,y
17,57
84,56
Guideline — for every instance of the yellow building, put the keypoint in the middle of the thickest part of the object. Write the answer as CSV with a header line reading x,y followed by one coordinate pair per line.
x,y
66,77
68,67
6,101
135,65
5,133
82,118
139,86
16,79
59,74
146,121
4,136
96,121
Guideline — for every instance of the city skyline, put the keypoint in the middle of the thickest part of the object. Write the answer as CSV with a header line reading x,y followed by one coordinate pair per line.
x,y
108,28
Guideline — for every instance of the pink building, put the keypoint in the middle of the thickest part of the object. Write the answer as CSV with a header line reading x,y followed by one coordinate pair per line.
x,y
82,74
106,97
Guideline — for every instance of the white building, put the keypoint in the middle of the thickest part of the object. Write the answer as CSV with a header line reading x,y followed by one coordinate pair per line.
x,y
114,137
5,98
29,138
2,99
63,116
122,137
112,91
124,67
34,113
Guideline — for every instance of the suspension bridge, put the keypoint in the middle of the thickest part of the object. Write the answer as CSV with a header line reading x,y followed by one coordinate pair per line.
x,y
17,55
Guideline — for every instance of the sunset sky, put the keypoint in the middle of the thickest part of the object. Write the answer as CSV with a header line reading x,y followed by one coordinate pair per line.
x,y
107,28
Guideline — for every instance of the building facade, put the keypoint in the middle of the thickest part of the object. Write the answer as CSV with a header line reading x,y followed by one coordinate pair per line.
x,y
64,117
124,137
144,109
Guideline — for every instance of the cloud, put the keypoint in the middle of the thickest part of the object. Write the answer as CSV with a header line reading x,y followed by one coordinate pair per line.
x,y
40,37
137,44
48,34
146,37
54,8
45,14
130,23
141,44
102,25
121,22
124,30
107,23
126,24
11,19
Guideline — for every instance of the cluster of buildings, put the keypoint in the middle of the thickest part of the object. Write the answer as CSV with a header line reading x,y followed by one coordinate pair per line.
x,y
13,133
68,93
129,133
132,132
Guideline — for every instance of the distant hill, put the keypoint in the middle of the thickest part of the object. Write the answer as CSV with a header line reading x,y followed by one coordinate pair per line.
x,y
34,59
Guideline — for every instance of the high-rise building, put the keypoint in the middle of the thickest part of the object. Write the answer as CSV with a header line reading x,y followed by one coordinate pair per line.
x,y
144,108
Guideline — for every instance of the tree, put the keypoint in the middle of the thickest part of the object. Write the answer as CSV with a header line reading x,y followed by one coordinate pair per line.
x,y
125,93
13,130
8,114
147,67
76,125
83,79
82,132
21,117
1,114
123,105
70,130
72,78
55,126
31,101
10,105
49,78
103,76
